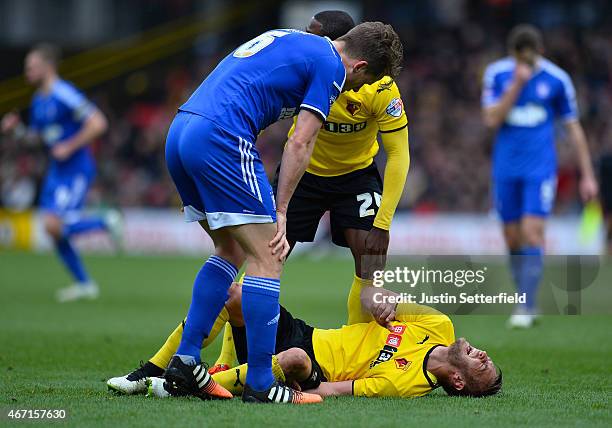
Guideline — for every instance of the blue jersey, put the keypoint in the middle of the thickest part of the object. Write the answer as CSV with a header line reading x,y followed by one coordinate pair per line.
x,y
270,78
57,116
525,143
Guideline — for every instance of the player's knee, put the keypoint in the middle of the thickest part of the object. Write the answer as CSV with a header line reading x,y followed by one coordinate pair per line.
x,y
232,253
294,361
53,226
532,234
266,264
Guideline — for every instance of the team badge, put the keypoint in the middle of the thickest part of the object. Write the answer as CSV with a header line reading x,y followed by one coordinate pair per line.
x,y
402,364
395,107
352,107
543,90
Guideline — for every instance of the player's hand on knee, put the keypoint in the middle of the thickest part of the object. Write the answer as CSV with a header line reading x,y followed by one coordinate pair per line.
x,y
280,245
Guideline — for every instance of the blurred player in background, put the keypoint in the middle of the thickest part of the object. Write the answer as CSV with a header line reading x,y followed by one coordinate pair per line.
x,y
213,162
605,177
341,178
522,96
67,123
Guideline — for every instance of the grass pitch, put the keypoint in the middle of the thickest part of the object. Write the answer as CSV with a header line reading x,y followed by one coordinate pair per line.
x,y
57,356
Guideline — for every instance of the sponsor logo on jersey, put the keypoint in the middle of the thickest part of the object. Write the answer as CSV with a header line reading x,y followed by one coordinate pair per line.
x,y
425,339
391,344
402,364
395,107
344,128
353,107
399,329
528,116
386,86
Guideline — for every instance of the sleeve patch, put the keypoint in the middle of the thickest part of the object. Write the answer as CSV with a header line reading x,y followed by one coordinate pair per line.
x,y
395,107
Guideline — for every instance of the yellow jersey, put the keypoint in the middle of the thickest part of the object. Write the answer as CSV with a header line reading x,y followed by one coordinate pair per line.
x,y
383,363
347,141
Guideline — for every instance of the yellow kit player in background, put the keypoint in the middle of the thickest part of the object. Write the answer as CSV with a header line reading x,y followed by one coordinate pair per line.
x,y
343,179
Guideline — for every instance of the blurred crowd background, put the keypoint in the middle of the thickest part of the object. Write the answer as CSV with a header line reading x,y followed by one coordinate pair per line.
x,y
447,45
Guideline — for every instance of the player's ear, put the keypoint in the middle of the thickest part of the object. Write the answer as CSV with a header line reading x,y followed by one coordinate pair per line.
x,y
457,380
360,66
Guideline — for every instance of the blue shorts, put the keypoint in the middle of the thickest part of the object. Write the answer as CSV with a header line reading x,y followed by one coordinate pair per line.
x,y
64,192
517,197
218,175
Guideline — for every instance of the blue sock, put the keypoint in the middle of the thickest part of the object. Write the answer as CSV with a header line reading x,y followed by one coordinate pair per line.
x,y
531,274
209,295
71,260
84,225
515,267
261,311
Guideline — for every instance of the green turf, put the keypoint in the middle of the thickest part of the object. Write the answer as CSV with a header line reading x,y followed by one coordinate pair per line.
x,y
58,356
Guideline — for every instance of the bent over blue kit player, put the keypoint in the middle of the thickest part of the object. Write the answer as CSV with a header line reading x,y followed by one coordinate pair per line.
x,y
523,94
212,158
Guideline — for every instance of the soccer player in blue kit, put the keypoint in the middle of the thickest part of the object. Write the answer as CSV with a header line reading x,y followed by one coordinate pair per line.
x,y
66,122
211,156
522,96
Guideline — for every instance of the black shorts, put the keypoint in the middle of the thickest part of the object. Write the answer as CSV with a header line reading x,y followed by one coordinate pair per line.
x,y
605,177
352,200
291,333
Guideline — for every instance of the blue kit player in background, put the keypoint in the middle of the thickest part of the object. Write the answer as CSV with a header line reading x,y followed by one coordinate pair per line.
x,y
213,161
66,122
523,94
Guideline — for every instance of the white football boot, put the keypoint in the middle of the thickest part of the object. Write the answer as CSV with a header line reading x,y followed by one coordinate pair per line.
x,y
521,318
114,223
87,291
132,383
156,387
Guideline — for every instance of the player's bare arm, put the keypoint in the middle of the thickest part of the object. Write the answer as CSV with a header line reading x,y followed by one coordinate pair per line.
x,y
588,184
296,157
95,125
333,389
494,116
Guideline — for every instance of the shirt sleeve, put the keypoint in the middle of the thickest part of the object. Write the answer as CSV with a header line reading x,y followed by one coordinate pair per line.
x,y
396,170
567,107
326,81
491,90
77,104
389,108
374,387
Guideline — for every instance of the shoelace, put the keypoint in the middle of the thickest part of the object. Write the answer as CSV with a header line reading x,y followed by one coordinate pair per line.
x,y
138,374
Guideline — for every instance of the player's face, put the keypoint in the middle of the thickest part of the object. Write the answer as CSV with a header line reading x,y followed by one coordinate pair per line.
x,y
527,56
35,68
472,361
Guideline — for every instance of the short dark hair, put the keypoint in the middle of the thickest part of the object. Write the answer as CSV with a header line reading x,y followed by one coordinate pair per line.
x,y
525,36
471,391
49,52
379,45
334,23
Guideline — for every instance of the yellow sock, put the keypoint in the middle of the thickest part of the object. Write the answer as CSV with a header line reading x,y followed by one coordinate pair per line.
x,y
168,349
228,350
355,314
233,379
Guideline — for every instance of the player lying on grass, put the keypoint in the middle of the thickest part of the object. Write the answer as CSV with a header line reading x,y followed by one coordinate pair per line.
x,y
342,177
409,357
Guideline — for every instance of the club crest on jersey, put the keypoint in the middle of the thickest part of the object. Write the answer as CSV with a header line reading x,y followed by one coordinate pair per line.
x,y
402,364
391,344
395,107
353,107
543,90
